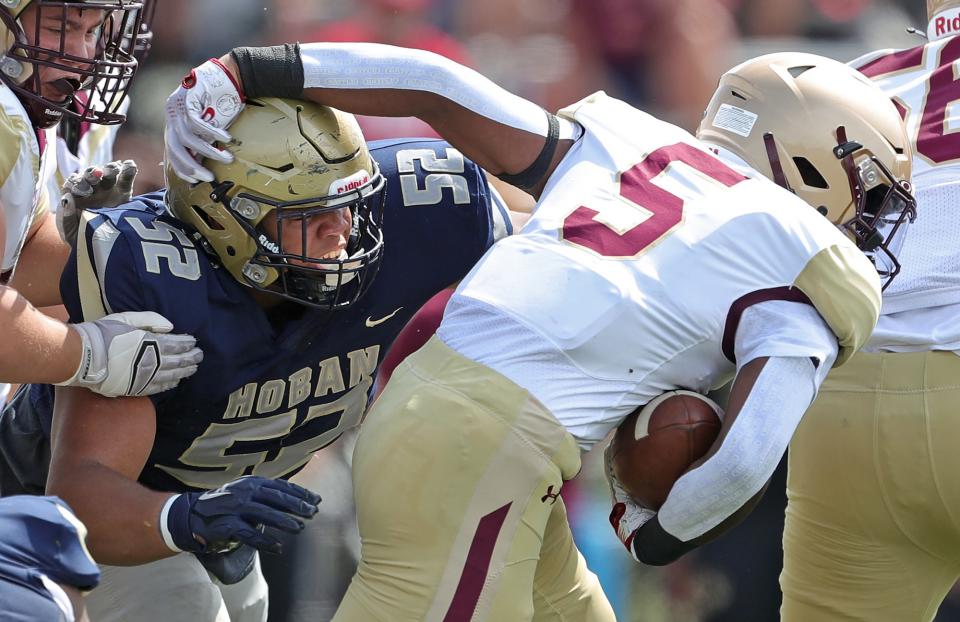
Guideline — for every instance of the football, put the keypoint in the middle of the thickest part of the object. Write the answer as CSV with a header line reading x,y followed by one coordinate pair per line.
x,y
656,443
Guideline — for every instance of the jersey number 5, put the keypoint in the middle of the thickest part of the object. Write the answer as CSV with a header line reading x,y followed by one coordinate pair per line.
x,y
595,230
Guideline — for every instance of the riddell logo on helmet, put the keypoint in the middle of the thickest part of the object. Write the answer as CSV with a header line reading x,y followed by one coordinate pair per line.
x,y
357,180
268,244
946,24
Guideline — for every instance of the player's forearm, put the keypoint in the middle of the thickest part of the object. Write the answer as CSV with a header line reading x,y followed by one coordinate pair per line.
x,y
500,131
38,271
35,348
655,546
121,515
764,416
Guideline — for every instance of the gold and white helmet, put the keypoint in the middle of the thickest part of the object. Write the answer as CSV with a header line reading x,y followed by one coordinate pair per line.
x,y
297,159
936,6
826,133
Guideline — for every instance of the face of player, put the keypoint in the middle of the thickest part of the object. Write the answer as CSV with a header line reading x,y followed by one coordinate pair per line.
x,y
321,236
80,33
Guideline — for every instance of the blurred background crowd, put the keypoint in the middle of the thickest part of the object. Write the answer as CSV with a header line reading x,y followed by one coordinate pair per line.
x,y
663,56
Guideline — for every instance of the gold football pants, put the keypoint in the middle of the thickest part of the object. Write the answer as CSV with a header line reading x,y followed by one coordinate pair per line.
x,y
873,518
457,474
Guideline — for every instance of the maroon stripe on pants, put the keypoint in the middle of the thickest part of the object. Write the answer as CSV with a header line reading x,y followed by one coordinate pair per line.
x,y
475,568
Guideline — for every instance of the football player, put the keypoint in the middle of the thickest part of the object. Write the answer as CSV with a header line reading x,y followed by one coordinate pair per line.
x,y
50,50
89,147
871,530
44,563
296,266
53,49
653,261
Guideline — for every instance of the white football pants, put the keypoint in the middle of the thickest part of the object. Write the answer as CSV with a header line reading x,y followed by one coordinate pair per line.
x,y
175,589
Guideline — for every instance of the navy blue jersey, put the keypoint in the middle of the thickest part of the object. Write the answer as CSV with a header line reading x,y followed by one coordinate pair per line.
x,y
271,391
40,535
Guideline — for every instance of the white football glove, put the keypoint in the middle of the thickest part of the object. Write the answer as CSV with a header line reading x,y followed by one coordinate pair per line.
x,y
627,516
94,188
203,106
131,354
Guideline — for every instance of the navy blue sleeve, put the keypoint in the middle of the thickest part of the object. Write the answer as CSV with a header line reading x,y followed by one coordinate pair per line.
x,y
100,277
42,533
137,258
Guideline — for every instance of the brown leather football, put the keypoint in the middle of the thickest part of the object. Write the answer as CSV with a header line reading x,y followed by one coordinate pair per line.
x,y
656,444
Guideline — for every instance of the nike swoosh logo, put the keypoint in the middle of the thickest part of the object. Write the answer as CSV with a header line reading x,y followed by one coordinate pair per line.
x,y
213,494
372,322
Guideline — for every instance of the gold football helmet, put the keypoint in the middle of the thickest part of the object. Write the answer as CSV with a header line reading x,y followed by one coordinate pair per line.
x,y
825,132
105,77
299,159
935,6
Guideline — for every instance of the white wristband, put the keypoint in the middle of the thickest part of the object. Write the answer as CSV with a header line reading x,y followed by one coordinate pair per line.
x,y
87,358
164,530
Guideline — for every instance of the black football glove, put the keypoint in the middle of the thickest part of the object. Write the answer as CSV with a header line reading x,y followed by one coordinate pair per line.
x,y
230,567
218,520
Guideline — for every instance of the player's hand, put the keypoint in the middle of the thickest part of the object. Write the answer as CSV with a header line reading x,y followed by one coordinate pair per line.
x,y
198,113
96,187
238,513
230,567
133,354
627,516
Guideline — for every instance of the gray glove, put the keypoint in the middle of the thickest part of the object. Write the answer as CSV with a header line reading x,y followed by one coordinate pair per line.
x,y
132,354
94,188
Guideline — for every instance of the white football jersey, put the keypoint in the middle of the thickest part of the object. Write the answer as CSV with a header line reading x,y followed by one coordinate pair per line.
x,y
921,307
631,276
24,176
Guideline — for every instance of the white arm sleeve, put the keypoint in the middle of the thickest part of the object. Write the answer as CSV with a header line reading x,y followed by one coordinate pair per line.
x,y
791,334
376,66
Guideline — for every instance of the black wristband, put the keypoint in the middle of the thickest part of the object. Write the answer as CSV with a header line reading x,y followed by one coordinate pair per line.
x,y
533,174
274,71
654,546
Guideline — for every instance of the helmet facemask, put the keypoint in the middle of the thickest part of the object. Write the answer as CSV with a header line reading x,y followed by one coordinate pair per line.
x,y
140,31
325,283
880,203
106,77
